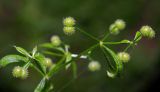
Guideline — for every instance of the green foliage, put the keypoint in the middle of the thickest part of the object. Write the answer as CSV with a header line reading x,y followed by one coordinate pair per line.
x,y
12,59
66,59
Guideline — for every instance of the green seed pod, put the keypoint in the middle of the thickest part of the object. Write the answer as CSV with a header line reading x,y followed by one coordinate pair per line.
x,y
17,71
69,22
48,62
55,40
120,24
113,29
123,56
24,73
94,66
147,31
69,30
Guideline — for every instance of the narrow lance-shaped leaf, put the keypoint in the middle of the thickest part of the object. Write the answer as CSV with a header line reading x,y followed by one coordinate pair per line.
x,y
74,69
22,51
68,58
58,66
137,37
39,62
34,51
41,85
120,42
51,46
114,64
12,59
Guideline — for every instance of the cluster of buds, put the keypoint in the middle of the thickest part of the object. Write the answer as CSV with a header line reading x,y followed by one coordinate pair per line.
x,y
55,40
20,72
69,28
94,66
48,62
123,56
147,31
117,26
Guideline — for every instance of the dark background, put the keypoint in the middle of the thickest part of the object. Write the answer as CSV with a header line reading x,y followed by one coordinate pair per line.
x,y
28,23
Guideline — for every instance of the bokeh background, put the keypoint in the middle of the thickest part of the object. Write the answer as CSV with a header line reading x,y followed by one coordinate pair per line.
x,y
28,23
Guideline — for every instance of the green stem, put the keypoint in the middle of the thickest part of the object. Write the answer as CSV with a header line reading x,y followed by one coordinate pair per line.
x,y
112,43
127,47
106,36
74,68
131,44
27,65
85,51
57,67
87,34
60,65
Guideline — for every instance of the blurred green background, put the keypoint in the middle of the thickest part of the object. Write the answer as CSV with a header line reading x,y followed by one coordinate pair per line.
x,y
27,23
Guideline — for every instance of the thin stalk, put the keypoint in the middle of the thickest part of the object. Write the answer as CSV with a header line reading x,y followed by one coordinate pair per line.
x,y
27,65
127,47
114,43
87,34
57,68
85,51
60,66
106,36
131,44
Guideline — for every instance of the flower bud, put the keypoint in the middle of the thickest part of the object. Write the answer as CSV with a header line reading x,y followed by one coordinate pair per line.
x,y
147,31
120,24
17,71
123,56
55,40
20,72
117,26
69,22
113,29
94,66
48,62
69,30
24,73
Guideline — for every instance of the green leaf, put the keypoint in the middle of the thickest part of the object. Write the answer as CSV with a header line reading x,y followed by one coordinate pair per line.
x,y
44,86
41,85
125,41
22,51
74,69
137,37
121,42
52,53
51,46
12,59
47,45
68,58
34,51
114,64
58,66
39,62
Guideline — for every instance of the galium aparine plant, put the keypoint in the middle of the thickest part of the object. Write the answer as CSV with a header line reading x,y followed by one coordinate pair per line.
x,y
40,61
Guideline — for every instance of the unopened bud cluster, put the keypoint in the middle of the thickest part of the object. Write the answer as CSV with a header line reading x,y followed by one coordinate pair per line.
x,y
48,62
117,26
147,31
123,56
94,66
55,40
20,72
69,28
